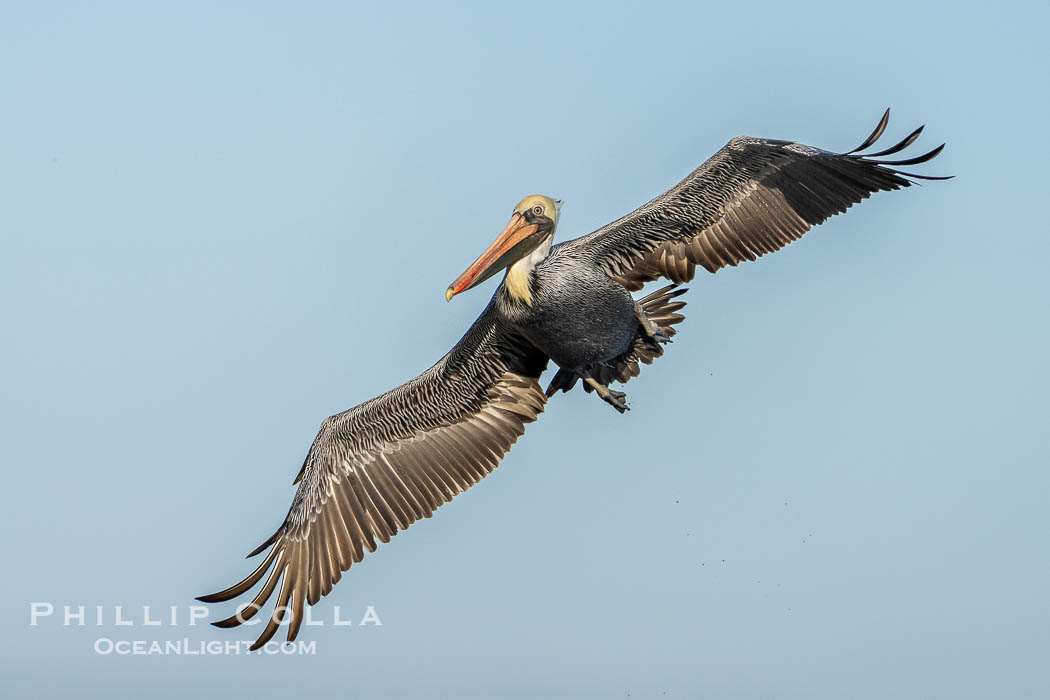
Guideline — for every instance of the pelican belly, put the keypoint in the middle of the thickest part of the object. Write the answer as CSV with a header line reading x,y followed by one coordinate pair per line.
x,y
578,316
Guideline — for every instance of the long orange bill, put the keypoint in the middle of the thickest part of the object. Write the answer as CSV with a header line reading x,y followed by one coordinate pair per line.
x,y
510,245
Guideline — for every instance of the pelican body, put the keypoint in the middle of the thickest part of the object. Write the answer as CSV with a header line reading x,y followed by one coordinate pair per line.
x,y
579,316
375,469
562,303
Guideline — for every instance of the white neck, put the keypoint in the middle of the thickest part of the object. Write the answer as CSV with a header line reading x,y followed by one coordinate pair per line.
x,y
519,275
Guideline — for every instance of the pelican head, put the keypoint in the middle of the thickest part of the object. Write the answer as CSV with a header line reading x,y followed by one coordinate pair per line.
x,y
531,226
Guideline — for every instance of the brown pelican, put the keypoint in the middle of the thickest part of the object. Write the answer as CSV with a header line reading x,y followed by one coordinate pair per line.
x,y
375,469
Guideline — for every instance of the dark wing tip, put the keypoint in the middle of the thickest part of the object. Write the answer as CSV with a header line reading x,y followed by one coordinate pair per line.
x,y
273,538
914,161
228,623
874,136
890,166
900,146
925,177
243,585
260,643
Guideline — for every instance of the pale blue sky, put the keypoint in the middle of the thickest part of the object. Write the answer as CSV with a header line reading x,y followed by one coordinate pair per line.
x,y
220,224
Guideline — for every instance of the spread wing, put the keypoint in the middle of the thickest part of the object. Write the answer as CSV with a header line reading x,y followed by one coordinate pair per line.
x,y
377,468
751,198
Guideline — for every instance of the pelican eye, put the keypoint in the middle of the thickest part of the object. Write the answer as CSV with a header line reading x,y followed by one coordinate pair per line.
x,y
537,210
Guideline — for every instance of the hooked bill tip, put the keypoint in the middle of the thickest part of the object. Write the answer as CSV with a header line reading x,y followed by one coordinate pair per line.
x,y
449,294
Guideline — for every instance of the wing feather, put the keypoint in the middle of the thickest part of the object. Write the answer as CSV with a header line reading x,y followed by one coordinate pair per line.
x,y
374,470
751,198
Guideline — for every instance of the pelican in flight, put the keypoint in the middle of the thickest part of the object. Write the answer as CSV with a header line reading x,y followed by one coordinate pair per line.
x,y
375,469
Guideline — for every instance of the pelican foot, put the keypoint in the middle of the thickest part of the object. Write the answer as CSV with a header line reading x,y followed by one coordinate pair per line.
x,y
651,329
660,336
616,399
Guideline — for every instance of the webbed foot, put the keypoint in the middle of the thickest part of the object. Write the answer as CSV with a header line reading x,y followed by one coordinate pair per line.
x,y
616,399
651,329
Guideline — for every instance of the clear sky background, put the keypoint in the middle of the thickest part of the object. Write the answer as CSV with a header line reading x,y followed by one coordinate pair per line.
x,y
221,223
